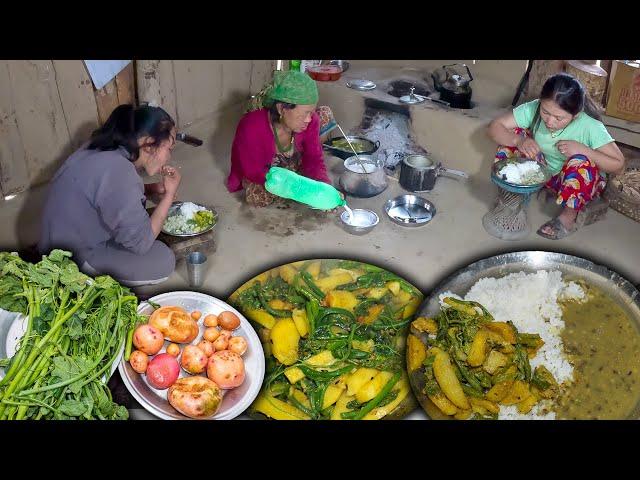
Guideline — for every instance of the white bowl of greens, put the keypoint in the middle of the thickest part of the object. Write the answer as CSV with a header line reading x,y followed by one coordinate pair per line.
x,y
187,219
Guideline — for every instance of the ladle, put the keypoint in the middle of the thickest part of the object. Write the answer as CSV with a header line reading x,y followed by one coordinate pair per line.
x,y
364,170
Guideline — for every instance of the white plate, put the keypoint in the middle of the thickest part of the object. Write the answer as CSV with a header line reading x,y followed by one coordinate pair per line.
x,y
18,328
235,401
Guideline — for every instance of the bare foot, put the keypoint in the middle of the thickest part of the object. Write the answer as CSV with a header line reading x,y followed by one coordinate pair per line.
x,y
567,218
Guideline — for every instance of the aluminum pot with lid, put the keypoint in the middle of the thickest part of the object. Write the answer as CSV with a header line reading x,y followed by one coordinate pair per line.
x,y
363,178
418,173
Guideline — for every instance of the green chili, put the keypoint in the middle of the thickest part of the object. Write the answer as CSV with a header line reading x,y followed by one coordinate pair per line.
x,y
467,375
272,311
294,401
308,279
312,308
395,326
308,294
316,398
323,376
325,312
472,392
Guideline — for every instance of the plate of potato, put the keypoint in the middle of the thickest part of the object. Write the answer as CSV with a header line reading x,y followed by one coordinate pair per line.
x,y
195,357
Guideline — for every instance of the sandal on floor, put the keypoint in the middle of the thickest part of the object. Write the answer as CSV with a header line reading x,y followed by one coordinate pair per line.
x,y
559,230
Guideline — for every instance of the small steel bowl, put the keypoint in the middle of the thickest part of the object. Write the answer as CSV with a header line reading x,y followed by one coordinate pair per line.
x,y
410,210
370,220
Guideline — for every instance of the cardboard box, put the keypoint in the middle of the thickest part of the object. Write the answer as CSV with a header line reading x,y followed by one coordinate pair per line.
x,y
624,92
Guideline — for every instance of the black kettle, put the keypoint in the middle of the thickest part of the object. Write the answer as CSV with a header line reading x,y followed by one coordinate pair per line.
x,y
454,88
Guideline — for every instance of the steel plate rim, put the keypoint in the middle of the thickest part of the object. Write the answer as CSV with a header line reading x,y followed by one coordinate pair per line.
x,y
250,395
423,202
508,185
208,229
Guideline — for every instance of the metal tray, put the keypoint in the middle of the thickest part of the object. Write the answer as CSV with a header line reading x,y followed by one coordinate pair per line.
x,y
410,210
176,205
235,401
572,268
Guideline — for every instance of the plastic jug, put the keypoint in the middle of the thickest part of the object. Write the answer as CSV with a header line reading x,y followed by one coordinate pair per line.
x,y
288,184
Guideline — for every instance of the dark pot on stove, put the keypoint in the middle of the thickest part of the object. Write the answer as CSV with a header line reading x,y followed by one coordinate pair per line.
x,y
454,88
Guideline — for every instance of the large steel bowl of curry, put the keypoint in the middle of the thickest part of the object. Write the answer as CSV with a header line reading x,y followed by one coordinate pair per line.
x,y
333,333
612,287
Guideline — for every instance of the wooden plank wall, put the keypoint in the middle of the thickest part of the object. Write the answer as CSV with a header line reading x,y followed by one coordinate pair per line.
x,y
191,90
48,108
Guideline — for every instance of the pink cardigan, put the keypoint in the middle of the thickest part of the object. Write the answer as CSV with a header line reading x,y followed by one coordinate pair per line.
x,y
254,148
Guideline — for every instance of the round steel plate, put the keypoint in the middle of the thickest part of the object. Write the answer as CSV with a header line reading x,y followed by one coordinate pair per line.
x,y
235,401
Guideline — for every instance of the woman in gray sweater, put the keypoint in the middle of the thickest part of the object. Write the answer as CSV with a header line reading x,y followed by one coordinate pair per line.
x,y
96,203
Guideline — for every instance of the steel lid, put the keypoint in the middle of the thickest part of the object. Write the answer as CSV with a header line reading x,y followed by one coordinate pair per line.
x,y
361,84
412,99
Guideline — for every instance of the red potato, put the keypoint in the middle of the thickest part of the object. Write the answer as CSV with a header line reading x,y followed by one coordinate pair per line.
x,y
148,339
228,320
211,334
196,314
206,347
226,369
173,349
139,361
238,345
193,360
163,371
222,342
211,320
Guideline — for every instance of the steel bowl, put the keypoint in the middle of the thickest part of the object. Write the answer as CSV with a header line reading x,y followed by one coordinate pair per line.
x,y
514,187
175,205
369,220
410,210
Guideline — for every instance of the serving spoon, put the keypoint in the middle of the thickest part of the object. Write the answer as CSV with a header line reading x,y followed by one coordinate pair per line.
x,y
364,170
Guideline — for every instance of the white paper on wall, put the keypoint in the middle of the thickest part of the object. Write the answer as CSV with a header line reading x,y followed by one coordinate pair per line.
x,y
103,71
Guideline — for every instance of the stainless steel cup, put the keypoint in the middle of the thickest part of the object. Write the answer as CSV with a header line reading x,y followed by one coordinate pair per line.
x,y
196,268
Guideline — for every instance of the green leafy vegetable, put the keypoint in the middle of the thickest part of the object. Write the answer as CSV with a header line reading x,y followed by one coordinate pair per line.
x,y
76,328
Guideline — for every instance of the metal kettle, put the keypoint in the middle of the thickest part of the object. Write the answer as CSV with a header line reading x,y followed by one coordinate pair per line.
x,y
454,87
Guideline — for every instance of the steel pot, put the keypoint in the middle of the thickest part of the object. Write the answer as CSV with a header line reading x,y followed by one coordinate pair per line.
x,y
366,180
418,173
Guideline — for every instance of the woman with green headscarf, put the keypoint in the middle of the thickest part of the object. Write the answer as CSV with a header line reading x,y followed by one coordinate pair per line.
x,y
284,133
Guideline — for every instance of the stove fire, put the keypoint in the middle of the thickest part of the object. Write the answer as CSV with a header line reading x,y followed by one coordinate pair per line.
x,y
385,124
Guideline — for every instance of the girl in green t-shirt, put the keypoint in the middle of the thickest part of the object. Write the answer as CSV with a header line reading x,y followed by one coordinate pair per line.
x,y
563,129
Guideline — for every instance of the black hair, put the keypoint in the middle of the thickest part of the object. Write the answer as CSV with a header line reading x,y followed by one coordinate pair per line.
x,y
273,110
569,94
127,124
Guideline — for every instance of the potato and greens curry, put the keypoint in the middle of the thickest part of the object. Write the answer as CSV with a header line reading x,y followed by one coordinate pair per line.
x,y
333,333
464,365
